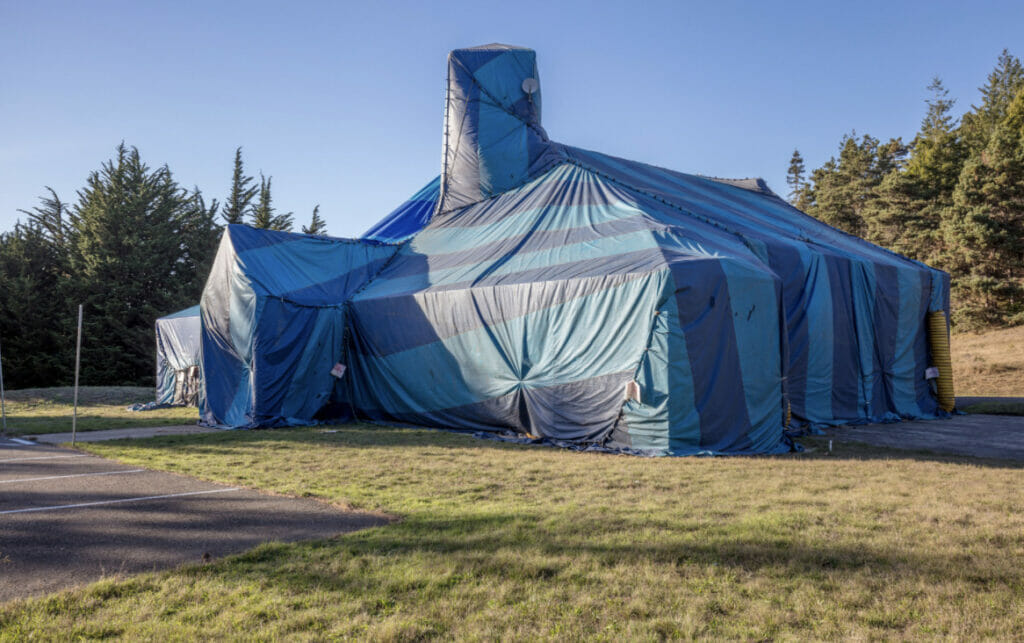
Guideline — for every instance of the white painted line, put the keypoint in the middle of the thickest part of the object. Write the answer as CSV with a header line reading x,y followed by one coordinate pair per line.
x,y
74,475
52,457
114,502
28,443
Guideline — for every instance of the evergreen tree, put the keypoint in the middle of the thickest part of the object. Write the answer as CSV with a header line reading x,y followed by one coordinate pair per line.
x,y
906,212
36,326
842,188
199,234
51,217
139,244
316,224
795,177
242,193
1003,83
986,226
263,214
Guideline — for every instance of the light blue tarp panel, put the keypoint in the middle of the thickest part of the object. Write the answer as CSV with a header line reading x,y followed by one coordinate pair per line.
x,y
273,315
177,350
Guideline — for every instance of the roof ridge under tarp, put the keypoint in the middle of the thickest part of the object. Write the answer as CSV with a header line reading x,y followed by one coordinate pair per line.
x,y
191,311
752,183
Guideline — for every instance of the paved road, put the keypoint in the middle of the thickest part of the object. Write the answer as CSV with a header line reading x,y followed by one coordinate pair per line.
x,y
983,436
964,402
121,434
68,518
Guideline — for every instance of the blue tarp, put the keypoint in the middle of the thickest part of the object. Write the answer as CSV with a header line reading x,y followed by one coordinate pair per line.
x,y
408,218
177,353
573,296
273,318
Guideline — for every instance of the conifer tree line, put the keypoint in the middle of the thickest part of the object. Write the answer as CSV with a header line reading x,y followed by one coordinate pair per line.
x,y
953,197
133,246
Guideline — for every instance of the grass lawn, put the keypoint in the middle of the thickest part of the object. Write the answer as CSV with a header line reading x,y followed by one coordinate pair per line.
x,y
49,410
496,541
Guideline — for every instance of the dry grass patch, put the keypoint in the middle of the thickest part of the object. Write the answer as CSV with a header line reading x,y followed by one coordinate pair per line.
x,y
989,363
501,541
49,410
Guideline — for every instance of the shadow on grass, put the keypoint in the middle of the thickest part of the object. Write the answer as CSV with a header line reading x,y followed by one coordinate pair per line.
x,y
497,549
368,436
88,396
39,424
344,436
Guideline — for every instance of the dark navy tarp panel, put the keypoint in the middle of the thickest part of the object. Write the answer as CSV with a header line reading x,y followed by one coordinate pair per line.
x,y
177,350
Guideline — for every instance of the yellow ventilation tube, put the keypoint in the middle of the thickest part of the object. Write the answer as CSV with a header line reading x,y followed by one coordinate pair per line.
x,y
938,341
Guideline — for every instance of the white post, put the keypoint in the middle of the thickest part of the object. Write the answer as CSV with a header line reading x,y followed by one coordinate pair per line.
x,y
3,401
78,360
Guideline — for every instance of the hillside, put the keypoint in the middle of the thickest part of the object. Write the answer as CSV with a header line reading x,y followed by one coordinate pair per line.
x,y
989,363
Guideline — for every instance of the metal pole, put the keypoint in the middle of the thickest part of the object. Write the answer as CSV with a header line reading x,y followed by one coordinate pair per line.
x,y
3,401
78,361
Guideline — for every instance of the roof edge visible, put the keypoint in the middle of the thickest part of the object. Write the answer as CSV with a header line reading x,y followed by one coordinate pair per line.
x,y
753,184
493,45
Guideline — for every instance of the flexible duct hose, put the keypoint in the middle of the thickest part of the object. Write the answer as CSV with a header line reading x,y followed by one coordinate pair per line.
x,y
938,341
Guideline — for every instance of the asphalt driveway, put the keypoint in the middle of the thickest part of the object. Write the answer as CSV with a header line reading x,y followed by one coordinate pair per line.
x,y
69,518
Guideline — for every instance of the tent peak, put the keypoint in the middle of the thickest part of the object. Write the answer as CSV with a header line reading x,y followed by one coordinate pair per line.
x,y
493,138
493,45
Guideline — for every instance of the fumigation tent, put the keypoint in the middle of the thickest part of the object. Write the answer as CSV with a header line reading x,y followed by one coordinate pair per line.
x,y
177,358
562,293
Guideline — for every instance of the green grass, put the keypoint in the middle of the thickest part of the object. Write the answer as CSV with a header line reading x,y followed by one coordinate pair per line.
x,y
49,410
495,541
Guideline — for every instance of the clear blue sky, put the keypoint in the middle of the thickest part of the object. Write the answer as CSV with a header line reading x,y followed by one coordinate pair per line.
x,y
342,102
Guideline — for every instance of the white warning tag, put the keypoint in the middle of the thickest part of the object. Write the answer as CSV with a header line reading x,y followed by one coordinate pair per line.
x,y
632,391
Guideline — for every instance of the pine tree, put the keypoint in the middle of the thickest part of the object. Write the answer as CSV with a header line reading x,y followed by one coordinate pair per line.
x,y
262,213
199,234
316,224
841,190
907,211
795,177
36,326
139,242
1003,83
242,194
52,218
986,225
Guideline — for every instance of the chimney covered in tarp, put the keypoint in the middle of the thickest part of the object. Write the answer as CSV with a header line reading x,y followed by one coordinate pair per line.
x,y
493,139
